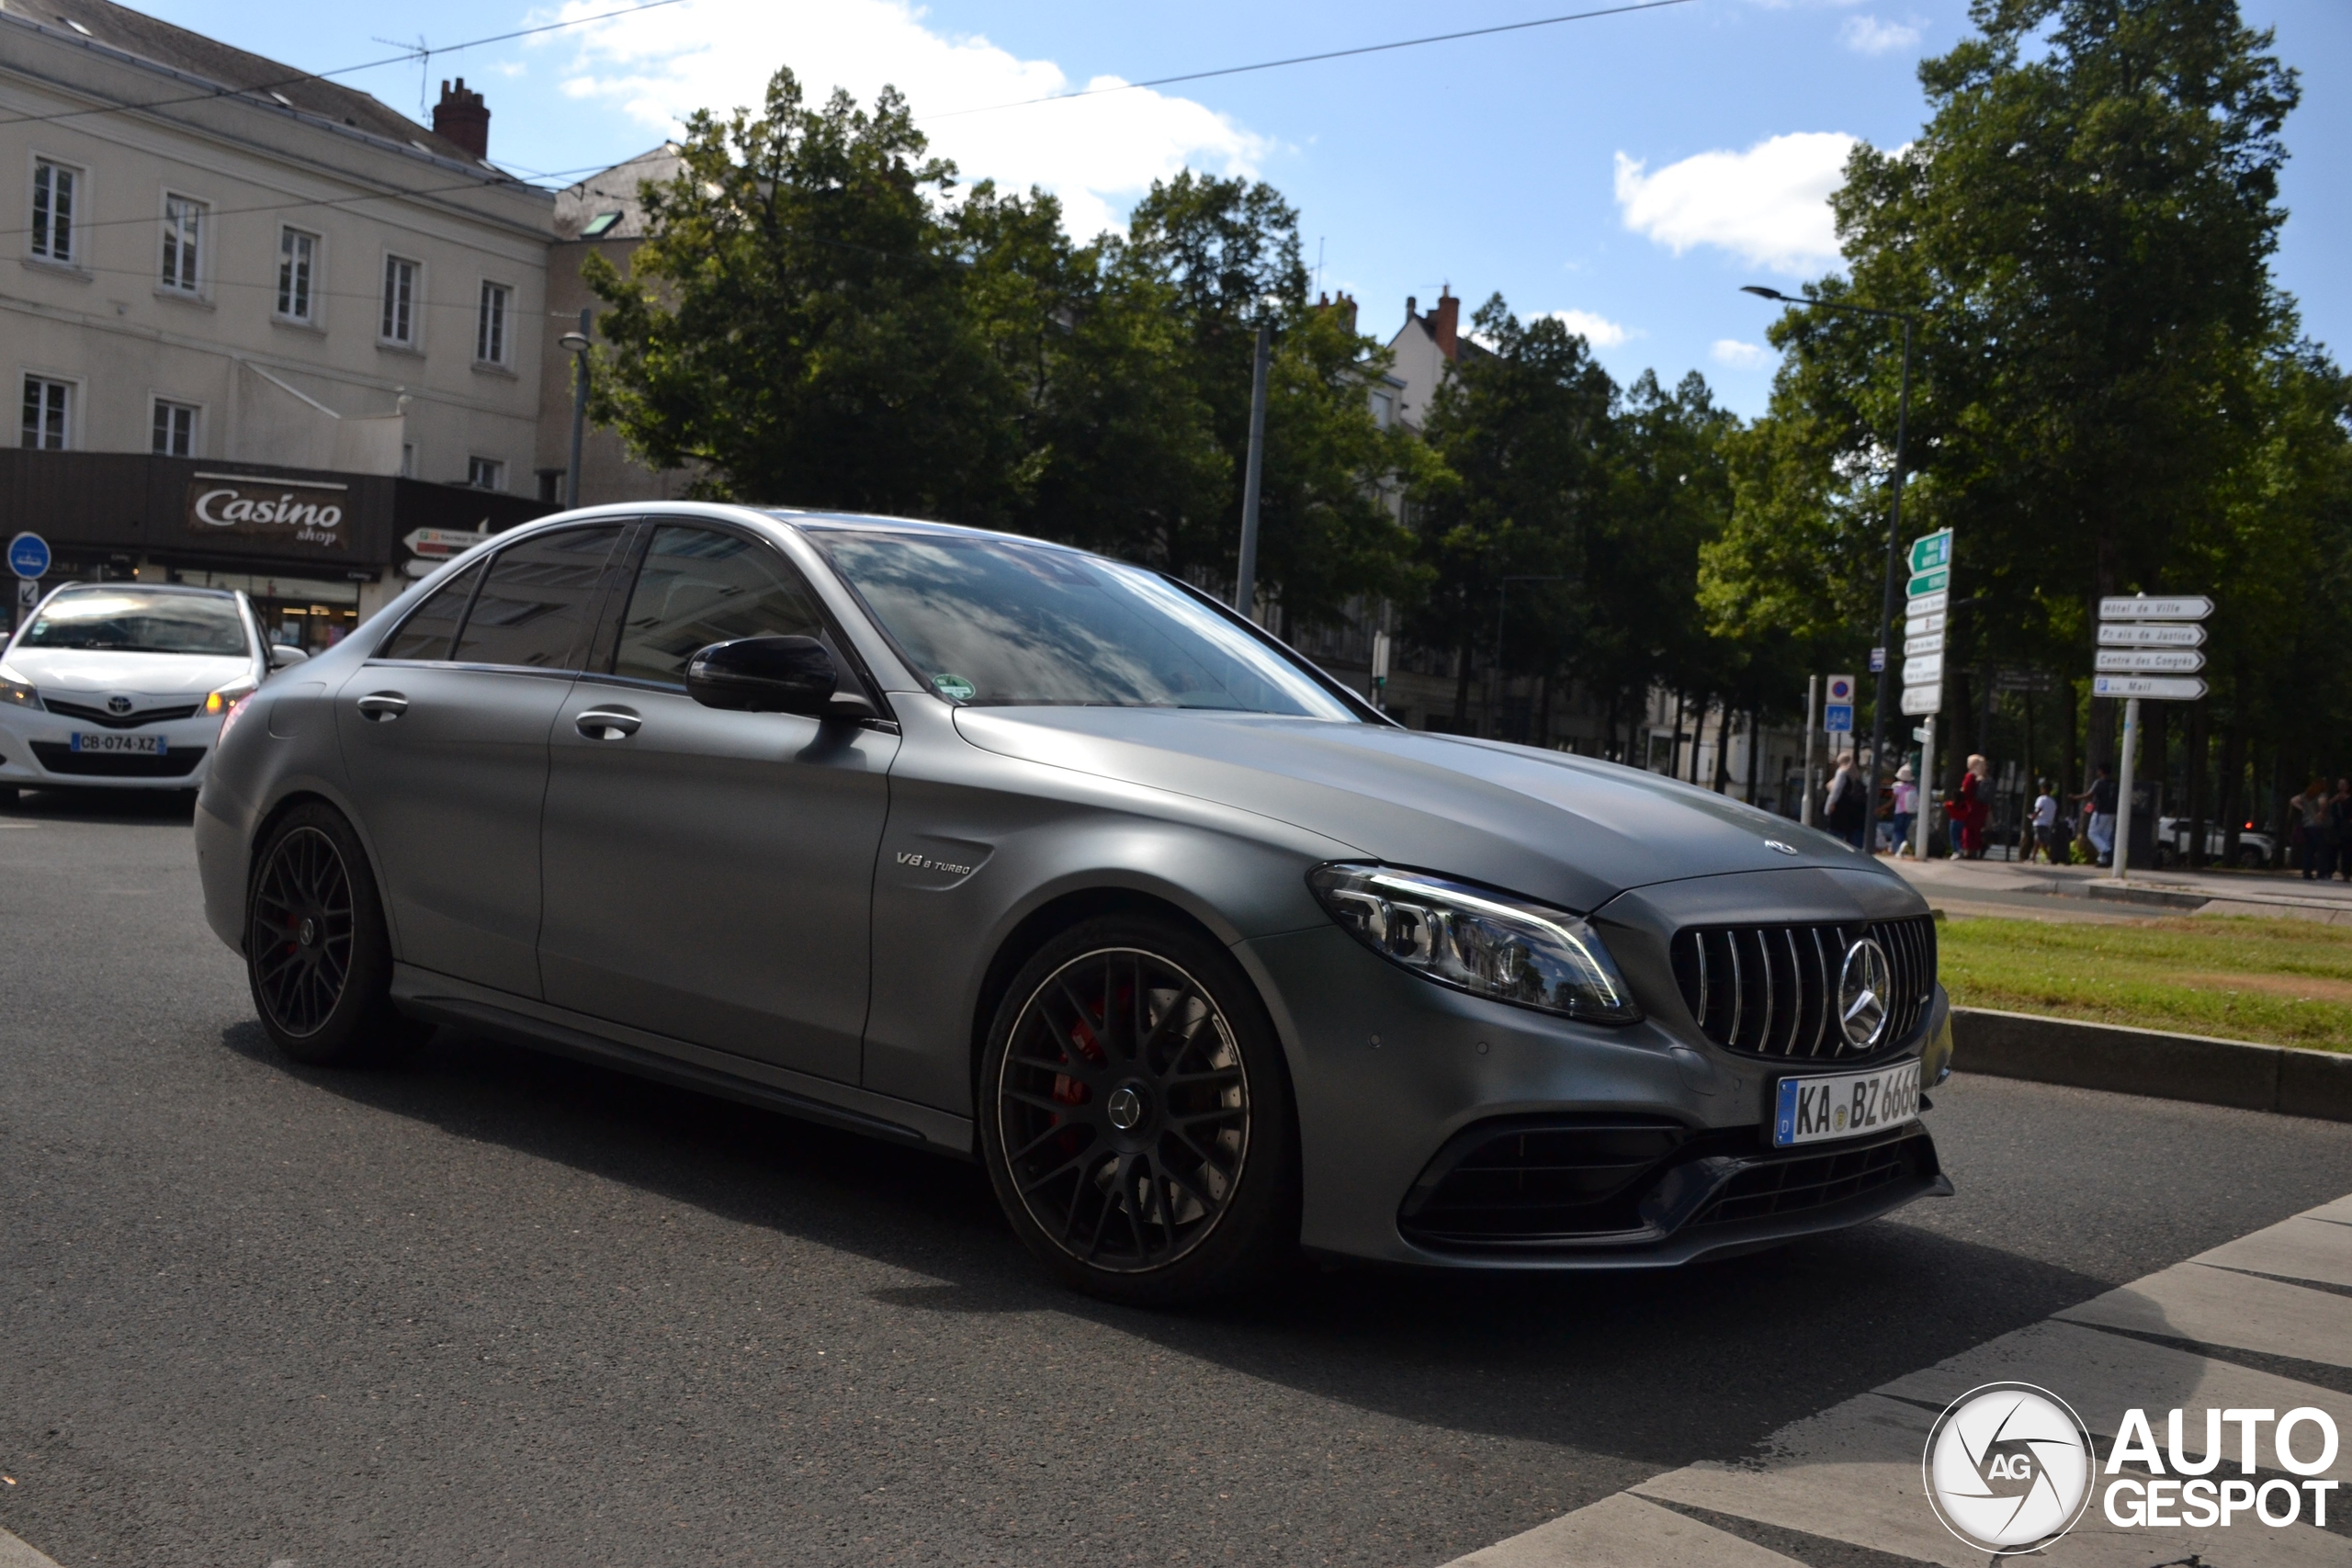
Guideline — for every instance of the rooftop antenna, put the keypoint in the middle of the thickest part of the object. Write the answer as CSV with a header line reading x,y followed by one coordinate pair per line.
x,y
423,54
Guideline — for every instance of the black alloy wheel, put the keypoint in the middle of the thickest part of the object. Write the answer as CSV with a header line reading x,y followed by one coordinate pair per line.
x,y
1137,1129
318,954
301,933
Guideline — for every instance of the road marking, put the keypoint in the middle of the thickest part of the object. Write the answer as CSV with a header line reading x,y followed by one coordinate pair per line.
x,y
15,1553
1623,1531
1851,1473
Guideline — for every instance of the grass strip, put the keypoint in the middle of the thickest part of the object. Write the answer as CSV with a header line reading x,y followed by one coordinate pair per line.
x,y
2279,982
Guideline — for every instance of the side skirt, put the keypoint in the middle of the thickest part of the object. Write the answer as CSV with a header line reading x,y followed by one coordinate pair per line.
x,y
519,1020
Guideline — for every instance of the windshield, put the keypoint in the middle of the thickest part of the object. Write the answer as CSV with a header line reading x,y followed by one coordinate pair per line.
x,y
1003,621
130,620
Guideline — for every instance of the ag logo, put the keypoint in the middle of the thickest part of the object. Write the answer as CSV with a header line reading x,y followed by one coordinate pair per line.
x,y
1863,982
2008,1468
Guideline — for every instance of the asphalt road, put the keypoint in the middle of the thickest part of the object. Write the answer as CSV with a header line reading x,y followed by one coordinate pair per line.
x,y
495,1308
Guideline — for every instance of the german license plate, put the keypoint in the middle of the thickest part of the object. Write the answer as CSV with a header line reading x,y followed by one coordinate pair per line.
x,y
121,745
1814,1111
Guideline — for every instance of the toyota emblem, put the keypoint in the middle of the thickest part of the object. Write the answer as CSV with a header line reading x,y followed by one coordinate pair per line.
x,y
1863,982
117,705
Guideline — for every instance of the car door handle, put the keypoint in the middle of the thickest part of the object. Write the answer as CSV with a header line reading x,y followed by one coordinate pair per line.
x,y
382,706
607,724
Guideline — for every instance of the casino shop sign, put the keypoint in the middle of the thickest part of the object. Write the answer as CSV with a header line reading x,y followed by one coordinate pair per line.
x,y
312,512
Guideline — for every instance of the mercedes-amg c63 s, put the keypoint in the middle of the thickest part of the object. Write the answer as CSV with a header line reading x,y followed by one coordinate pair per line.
x,y
1004,850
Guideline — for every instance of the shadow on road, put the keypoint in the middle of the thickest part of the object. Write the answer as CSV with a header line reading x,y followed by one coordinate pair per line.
x,y
102,805
1655,1369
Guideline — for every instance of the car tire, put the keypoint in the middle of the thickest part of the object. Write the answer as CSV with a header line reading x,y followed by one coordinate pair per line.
x,y
318,954
2252,860
1135,1116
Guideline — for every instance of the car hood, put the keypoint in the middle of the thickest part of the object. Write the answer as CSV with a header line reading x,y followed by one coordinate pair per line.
x,y
149,675
1567,830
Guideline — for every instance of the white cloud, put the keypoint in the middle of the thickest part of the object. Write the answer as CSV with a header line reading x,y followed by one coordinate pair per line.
x,y
1768,206
1736,355
1097,153
1868,35
1597,331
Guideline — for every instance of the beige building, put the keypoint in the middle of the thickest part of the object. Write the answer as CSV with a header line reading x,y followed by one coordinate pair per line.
x,y
216,257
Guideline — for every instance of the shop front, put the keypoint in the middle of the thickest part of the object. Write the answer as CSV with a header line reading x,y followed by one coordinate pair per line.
x,y
318,551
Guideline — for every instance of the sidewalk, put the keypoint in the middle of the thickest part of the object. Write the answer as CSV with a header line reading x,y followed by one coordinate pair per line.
x,y
1988,887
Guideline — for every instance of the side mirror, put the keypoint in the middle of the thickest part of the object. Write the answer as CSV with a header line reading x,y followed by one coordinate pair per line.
x,y
281,655
766,674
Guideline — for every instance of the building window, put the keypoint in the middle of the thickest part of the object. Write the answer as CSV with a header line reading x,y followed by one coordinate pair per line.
x,y
400,301
297,259
485,473
408,459
175,429
183,230
54,186
489,325
48,413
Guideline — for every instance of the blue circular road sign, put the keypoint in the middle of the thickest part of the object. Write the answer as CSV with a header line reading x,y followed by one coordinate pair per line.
x,y
28,556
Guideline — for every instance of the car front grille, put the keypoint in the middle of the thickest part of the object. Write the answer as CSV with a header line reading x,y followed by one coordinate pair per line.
x,y
1816,1181
1772,990
64,760
116,721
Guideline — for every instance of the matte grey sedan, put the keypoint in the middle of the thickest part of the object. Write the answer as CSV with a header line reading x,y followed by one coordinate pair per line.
x,y
1007,850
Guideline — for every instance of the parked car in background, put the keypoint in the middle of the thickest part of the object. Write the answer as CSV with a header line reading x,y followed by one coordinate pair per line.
x,y
124,685
995,848
2255,849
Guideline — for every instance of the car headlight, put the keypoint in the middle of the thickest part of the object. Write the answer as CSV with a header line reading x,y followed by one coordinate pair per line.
x,y
1479,940
17,692
226,699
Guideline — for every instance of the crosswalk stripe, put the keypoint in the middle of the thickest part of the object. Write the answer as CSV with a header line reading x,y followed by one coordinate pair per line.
x,y
15,1553
2215,1307
1852,1472
1623,1531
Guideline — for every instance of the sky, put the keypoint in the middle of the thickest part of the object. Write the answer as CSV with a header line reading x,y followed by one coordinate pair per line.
x,y
1628,171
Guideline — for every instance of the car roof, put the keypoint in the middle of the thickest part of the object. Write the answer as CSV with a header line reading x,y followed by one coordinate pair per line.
x,y
859,522
187,589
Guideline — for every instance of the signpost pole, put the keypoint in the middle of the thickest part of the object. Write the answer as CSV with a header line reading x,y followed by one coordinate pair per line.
x,y
2122,859
1245,585
1811,739
1926,795
1886,599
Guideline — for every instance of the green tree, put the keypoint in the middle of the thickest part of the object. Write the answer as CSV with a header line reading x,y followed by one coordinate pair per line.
x,y
800,325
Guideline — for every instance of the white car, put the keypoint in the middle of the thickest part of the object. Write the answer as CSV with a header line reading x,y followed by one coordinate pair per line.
x,y
123,686
2255,849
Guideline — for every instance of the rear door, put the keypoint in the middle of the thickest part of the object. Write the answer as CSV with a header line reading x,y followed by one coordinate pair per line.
x,y
444,736
710,875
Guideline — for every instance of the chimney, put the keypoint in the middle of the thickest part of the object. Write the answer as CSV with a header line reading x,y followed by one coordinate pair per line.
x,y
462,117
1446,322
1346,306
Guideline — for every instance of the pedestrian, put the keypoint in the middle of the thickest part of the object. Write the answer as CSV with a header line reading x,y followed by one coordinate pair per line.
x,y
2309,823
1907,806
1974,809
2045,824
1847,809
2100,829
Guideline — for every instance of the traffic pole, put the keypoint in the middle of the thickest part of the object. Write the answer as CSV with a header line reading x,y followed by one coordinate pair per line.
x,y
579,416
1812,733
1924,794
2120,870
1244,590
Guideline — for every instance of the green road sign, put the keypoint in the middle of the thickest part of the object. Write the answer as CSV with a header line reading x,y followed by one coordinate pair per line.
x,y
1931,550
1934,581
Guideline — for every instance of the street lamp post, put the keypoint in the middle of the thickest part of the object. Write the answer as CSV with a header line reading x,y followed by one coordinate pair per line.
x,y
576,344
1893,525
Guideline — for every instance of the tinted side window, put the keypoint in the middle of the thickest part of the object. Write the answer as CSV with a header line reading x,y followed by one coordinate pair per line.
x,y
535,607
427,632
699,586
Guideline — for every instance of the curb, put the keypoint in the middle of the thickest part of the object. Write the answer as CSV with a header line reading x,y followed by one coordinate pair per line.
x,y
2284,1079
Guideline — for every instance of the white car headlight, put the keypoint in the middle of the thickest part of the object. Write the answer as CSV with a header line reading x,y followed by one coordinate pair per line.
x,y
1479,940
17,692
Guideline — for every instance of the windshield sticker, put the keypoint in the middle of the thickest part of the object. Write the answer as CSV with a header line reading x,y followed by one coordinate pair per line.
x,y
954,686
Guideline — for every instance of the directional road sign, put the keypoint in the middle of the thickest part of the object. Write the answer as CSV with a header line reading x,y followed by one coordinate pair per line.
x,y
1922,622
1927,605
1931,550
2160,635
1926,642
2141,607
1918,700
28,556
28,597
2149,660
1924,670
2156,688
440,544
1926,583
